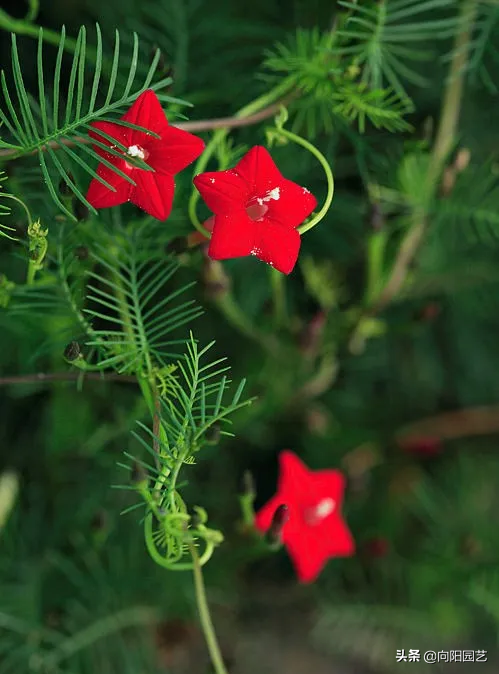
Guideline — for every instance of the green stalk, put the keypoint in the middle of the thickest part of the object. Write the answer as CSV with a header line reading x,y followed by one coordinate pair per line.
x,y
444,141
205,616
279,297
327,170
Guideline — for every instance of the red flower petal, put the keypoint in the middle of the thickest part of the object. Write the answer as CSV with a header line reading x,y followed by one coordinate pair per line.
x,y
293,206
315,530
309,553
146,112
121,133
341,543
258,170
154,193
177,150
277,245
222,191
293,473
233,236
101,196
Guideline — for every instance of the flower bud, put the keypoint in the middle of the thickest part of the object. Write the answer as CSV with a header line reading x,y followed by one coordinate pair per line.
x,y
429,312
72,351
312,334
376,217
377,548
424,445
448,181
64,189
80,211
177,246
462,159
212,434
140,478
470,547
215,281
81,252
280,518
100,521
248,487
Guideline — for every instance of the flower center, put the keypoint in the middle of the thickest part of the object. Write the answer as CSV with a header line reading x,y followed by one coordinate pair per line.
x,y
319,511
136,151
257,207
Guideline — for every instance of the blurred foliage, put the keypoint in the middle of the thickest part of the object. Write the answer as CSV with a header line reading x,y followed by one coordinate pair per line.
x,y
78,591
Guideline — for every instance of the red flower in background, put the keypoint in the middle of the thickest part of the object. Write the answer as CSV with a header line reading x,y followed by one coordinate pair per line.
x,y
257,211
167,155
424,445
315,530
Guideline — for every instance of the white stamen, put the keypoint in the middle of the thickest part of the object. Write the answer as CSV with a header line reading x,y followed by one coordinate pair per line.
x,y
320,511
136,151
272,194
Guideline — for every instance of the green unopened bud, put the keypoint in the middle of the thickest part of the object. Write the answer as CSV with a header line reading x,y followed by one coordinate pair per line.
x,y
213,433
80,211
9,486
140,478
248,487
64,187
81,252
100,521
6,288
72,351
199,517
215,281
37,248
280,518
177,246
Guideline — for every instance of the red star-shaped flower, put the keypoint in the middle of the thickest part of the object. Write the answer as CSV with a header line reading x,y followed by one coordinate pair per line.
x,y
257,211
167,155
315,530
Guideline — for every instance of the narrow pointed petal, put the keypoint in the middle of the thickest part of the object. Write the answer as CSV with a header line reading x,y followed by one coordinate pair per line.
x,y
293,473
331,483
147,112
278,246
176,150
308,553
222,191
154,193
340,542
258,170
233,236
101,196
293,205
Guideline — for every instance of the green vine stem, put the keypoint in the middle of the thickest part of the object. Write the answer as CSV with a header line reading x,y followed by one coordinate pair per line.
x,y
279,297
278,130
205,615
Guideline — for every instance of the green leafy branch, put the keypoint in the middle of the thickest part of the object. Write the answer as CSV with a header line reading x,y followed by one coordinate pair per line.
x,y
34,125
193,412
